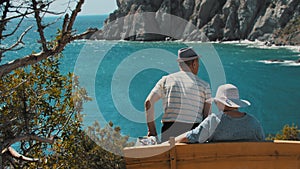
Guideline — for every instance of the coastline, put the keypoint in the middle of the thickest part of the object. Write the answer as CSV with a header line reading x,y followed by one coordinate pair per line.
x,y
262,45
251,44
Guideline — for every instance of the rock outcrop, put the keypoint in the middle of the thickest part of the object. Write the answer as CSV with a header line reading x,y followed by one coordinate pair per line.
x,y
194,20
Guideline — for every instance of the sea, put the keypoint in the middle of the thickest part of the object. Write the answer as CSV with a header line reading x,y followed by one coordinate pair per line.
x,y
119,75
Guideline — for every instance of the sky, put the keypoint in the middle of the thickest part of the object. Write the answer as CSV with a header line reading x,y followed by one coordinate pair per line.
x,y
96,7
90,7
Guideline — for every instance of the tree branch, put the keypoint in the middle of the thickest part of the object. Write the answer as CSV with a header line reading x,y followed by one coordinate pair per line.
x,y
51,12
35,58
40,27
19,156
45,53
20,41
16,16
22,62
80,36
65,23
15,29
27,138
74,15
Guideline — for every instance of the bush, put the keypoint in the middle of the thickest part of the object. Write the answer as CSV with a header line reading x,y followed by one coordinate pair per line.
x,y
38,100
287,133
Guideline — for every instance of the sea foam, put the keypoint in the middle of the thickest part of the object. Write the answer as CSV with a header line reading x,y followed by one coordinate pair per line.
x,y
281,62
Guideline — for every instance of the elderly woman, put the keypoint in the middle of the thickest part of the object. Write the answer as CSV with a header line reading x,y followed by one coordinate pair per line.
x,y
229,124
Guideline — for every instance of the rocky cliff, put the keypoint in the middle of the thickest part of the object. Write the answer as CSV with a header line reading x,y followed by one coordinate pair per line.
x,y
204,20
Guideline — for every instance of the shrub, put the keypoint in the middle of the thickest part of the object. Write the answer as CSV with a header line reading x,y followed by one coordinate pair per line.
x,y
40,101
287,133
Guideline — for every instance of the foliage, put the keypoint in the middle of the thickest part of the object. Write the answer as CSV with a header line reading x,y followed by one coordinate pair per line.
x,y
106,150
81,151
40,109
287,133
110,138
40,101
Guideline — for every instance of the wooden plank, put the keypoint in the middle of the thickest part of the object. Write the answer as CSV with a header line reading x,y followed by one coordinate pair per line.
x,y
146,151
147,157
173,158
234,155
157,165
287,141
241,163
236,149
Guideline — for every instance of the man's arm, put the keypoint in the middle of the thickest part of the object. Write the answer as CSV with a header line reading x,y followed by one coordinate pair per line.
x,y
207,103
149,107
206,109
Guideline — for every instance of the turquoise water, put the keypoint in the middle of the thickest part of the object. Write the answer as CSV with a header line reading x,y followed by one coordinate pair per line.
x,y
273,89
119,76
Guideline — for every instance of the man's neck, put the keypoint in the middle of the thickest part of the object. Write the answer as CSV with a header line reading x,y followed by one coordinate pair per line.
x,y
189,70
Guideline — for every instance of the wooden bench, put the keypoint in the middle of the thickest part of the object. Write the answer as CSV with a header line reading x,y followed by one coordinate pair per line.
x,y
226,155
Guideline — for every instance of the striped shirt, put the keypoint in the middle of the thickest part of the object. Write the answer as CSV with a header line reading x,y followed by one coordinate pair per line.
x,y
183,95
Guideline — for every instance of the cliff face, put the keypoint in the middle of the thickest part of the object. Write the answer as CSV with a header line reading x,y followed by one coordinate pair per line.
x,y
202,19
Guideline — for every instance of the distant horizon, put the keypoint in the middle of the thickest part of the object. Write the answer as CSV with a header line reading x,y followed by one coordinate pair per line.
x,y
89,8
87,15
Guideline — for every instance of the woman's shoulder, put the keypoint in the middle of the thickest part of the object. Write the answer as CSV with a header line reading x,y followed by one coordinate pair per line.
x,y
252,118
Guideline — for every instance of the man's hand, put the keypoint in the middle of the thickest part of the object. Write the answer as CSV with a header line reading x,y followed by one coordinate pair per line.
x,y
151,134
151,129
149,108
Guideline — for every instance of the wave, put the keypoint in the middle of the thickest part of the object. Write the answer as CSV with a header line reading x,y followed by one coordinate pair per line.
x,y
281,62
243,42
261,45
292,64
255,44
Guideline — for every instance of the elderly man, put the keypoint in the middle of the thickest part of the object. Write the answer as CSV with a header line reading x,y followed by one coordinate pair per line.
x,y
185,98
